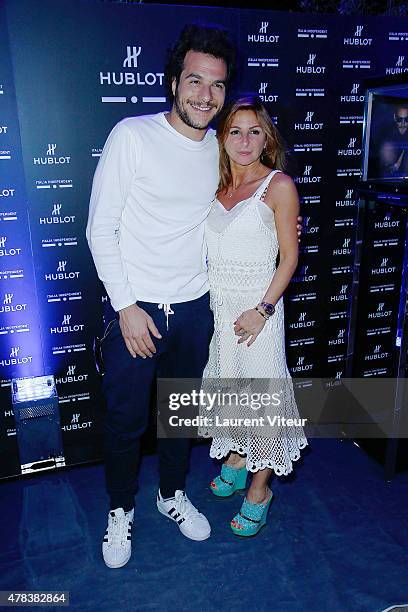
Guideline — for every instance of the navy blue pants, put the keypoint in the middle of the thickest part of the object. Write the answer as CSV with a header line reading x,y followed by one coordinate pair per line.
x,y
181,353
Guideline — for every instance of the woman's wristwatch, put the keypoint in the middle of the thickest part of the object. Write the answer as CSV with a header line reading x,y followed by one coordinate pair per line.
x,y
267,309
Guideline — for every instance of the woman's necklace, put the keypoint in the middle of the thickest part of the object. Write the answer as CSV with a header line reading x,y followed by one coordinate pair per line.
x,y
232,191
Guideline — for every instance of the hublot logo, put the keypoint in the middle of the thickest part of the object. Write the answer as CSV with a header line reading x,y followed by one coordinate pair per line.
x,y
307,176
71,376
304,276
308,227
351,148
61,274
263,36
15,359
7,193
264,96
130,60
354,95
301,366
75,423
341,296
50,158
308,123
335,382
399,66
56,217
384,268
387,223
302,322
131,78
377,353
345,249
66,327
358,40
8,305
348,200
7,252
311,67
339,340
380,313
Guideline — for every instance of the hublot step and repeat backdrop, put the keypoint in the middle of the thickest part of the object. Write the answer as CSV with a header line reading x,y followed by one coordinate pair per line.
x,y
68,72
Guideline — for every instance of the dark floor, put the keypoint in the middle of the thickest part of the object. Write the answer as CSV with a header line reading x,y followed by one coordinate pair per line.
x,y
336,540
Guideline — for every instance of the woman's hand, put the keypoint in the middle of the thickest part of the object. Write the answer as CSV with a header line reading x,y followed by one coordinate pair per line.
x,y
299,227
249,325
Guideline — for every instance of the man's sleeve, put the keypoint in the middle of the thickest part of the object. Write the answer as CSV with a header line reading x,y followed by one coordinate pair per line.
x,y
111,186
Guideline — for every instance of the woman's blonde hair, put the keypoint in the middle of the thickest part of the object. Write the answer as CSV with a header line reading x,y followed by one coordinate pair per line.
x,y
273,155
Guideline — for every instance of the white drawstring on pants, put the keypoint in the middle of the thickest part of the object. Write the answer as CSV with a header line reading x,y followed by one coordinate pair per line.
x,y
167,311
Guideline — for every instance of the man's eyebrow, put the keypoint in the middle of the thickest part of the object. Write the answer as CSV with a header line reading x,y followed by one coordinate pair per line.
x,y
200,76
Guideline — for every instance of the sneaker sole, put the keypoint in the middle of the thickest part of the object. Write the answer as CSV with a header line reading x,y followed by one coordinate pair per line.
x,y
190,537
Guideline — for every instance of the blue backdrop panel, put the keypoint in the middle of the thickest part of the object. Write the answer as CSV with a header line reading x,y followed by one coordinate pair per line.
x,y
20,340
79,67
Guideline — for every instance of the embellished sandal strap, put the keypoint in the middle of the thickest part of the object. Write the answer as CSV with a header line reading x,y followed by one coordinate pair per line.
x,y
252,512
247,518
226,481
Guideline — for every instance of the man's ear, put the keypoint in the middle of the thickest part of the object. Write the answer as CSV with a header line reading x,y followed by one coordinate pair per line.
x,y
174,86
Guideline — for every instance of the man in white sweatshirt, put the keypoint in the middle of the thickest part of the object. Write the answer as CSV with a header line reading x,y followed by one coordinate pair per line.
x,y
152,190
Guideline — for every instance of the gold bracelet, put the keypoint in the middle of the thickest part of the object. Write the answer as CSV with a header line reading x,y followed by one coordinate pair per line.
x,y
265,316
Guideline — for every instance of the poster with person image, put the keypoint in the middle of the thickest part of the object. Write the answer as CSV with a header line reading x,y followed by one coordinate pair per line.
x,y
388,138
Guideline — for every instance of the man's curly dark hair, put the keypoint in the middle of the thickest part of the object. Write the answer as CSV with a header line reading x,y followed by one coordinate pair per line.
x,y
203,39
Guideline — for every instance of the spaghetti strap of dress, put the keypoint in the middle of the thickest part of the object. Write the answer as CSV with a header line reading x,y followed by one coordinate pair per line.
x,y
265,184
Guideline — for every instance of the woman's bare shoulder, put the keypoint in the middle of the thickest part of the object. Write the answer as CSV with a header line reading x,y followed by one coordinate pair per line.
x,y
281,189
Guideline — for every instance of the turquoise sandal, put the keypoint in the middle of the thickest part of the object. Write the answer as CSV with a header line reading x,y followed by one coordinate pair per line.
x,y
251,518
229,481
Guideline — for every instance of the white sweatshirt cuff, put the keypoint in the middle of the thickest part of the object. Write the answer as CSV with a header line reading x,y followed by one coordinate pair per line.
x,y
120,296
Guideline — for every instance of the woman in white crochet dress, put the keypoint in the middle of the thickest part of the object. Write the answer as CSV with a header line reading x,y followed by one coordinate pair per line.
x,y
252,218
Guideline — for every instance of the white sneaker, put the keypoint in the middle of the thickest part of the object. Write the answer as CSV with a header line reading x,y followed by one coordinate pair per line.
x,y
117,543
191,522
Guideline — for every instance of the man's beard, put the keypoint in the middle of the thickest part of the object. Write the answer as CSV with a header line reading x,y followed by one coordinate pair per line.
x,y
185,117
